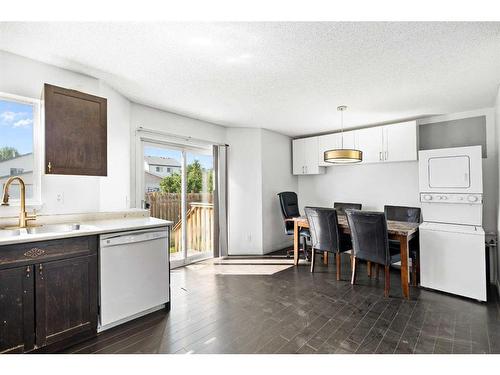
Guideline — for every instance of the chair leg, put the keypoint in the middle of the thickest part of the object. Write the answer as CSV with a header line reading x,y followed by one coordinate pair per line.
x,y
369,269
377,270
414,268
387,286
312,258
304,247
337,260
353,277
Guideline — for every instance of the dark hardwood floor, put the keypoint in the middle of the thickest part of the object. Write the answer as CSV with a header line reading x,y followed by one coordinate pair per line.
x,y
294,311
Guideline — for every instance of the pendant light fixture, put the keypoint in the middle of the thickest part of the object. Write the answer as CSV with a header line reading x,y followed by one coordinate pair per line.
x,y
343,155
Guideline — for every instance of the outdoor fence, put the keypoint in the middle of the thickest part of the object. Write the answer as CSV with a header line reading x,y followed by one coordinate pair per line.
x,y
199,218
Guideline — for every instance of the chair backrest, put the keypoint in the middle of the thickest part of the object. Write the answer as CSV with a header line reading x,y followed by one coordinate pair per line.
x,y
369,236
402,213
289,204
341,206
323,226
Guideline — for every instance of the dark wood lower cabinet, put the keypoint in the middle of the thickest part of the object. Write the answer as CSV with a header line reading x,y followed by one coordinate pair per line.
x,y
66,299
17,325
51,300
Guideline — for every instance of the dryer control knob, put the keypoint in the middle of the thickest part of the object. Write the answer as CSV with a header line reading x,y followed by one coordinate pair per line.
x,y
472,198
444,197
428,197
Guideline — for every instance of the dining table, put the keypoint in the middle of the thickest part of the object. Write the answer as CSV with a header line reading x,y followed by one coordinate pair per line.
x,y
397,230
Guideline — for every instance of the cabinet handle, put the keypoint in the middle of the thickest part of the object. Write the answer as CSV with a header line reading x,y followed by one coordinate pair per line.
x,y
380,156
40,269
386,155
49,167
28,272
306,169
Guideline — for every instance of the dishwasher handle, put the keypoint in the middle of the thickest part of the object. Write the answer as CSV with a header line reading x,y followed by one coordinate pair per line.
x,y
130,238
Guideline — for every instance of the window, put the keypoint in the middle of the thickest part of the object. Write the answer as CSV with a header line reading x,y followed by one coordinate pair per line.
x,y
159,169
169,170
19,151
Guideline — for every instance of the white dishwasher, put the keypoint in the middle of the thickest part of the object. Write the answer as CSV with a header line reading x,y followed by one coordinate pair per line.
x,y
134,275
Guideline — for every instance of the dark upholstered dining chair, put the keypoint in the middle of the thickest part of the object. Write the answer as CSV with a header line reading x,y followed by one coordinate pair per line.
x,y
289,204
408,215
370,241
341,206
323,225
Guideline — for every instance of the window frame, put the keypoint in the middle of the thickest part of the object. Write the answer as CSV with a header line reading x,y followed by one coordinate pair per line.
x,y
36,200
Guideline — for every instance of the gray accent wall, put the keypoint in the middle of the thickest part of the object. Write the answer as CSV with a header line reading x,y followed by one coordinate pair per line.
x,y
469,131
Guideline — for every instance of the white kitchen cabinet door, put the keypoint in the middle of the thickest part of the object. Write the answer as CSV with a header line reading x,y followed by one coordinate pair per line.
x,y
325,143
298,152
370,142
305,156
400,141
332,142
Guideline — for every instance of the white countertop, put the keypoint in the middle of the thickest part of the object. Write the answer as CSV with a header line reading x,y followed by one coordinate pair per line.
x,y
90,227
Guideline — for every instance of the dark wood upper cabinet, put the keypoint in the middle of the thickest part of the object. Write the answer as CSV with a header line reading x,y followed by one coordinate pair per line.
x,y
75,132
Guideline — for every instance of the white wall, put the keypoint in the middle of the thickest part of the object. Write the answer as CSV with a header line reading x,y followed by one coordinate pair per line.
x,y
25,77
245,191
259,167
497,138
372,185
276,177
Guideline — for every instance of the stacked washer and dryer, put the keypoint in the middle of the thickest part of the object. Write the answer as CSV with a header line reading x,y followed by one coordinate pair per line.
x,y
452,240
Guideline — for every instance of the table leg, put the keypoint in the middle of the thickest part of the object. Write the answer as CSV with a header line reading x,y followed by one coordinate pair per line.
x,y
405,271
325,257
295,243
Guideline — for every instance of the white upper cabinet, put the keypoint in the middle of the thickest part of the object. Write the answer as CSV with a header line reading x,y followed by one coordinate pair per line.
x,y
305,156
332,142
400,141
379,144
370,141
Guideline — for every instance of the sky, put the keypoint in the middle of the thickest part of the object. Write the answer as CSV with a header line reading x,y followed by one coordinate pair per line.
x,y
16,126
206,161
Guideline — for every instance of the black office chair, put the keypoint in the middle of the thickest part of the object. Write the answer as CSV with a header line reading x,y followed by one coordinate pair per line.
x,y
341,207
408,215
289,204
370,241
323,225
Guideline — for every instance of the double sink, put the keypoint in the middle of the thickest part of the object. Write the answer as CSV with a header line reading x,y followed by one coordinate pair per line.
x,y
42,229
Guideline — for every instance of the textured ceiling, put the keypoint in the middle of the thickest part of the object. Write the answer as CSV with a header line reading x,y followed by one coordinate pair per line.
x,y
287,77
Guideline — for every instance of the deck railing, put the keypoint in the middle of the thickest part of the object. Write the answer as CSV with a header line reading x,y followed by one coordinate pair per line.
x,y
200,228
199,218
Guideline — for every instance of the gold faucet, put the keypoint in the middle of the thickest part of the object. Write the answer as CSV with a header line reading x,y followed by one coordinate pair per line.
x,y
23,216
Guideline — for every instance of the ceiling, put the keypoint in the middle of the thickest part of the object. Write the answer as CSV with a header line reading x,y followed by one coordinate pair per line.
x,y
284,76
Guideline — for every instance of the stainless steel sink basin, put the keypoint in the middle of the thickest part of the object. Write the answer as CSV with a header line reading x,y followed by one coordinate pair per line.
x,y
5,233
53,228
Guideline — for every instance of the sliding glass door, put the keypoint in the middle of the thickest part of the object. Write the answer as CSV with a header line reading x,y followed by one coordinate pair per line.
x,y
178,184
200,205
